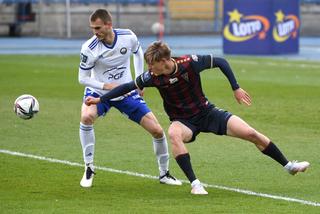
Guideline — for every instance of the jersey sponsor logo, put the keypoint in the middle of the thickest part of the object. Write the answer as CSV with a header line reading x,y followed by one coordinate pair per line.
x,y
173,80
113,69
83,58
123,51
115,76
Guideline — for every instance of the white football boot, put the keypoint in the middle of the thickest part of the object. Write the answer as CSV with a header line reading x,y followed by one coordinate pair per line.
x,y
169,179
87,177
197,188
295,166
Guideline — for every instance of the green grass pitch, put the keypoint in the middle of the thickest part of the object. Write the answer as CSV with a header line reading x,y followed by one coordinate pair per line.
x,y
286,100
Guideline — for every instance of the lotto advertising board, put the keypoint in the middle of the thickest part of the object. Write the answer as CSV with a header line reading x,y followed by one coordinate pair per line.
x,y
261,27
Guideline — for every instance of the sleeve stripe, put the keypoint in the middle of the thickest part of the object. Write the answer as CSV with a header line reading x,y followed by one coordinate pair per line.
x,y
124,33
135,82
86,68
136,50
93,43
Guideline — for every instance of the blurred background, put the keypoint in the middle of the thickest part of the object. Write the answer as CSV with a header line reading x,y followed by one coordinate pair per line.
x,y
69,18
286,28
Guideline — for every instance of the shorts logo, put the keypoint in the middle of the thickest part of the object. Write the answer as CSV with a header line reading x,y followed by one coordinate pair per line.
x,y
123,51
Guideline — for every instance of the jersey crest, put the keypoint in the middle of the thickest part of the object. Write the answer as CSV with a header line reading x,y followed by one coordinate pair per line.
x,y
123,51
185,76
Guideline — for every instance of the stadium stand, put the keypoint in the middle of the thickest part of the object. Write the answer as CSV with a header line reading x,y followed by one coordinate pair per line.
x,y
23,13
202,9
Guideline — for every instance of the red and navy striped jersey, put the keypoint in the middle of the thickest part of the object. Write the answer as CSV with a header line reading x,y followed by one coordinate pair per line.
x,y
181,91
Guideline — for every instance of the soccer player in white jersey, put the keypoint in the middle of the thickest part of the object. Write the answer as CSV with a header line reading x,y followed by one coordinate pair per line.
x,y
105,63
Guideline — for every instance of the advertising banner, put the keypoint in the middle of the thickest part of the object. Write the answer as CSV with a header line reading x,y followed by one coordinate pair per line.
x,y
261,26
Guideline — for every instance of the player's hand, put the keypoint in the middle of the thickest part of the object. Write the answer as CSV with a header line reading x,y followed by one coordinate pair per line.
x,y
91,100
140,92
242,96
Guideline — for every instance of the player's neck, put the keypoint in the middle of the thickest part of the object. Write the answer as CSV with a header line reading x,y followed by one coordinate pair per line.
x,y
109,39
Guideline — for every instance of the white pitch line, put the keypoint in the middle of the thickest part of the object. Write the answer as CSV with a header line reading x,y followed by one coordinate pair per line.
x,y
246,192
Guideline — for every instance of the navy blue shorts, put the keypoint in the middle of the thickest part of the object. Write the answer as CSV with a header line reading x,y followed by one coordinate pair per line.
x,y
132,106
212,120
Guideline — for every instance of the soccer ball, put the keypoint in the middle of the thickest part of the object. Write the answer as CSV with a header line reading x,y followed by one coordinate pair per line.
x,y
26,106
157,28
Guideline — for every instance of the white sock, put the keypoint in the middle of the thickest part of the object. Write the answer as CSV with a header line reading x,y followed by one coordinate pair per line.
x,y
87,139
160,147
195,183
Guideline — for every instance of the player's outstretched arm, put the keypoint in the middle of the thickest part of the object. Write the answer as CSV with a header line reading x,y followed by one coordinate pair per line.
x,y
227,71
116,92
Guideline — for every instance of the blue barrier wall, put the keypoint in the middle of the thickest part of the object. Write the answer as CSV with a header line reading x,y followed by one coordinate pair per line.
x,y
262,27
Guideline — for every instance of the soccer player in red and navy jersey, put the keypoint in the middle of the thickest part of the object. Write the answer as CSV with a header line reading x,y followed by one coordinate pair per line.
x,y
179,83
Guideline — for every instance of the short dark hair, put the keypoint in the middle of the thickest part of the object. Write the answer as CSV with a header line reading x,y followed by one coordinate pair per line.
x,y
156,51
102,14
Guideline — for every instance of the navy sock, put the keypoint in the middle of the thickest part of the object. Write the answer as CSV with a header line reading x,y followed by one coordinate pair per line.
x,y
185,164
272,151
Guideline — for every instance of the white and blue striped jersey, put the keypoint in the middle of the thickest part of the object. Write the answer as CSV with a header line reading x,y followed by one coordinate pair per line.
x,y
102,63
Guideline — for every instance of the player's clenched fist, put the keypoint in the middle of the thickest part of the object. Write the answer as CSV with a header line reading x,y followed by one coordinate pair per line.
x,y
91,100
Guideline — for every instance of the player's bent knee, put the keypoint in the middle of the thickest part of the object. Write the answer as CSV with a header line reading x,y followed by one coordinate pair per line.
x,y
157,132
174,137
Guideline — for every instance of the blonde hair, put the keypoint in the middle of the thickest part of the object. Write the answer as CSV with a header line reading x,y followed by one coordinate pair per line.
x,y
156,51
